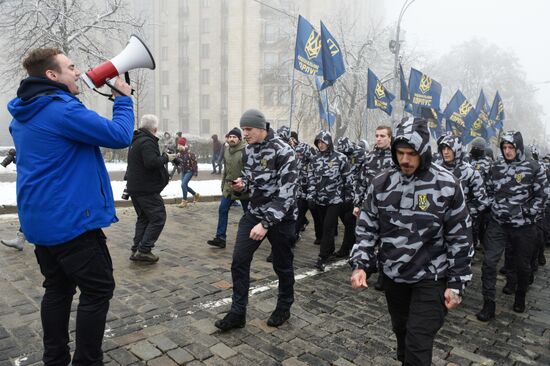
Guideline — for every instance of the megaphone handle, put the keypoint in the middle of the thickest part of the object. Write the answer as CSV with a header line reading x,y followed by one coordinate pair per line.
x,y
112,86
127,78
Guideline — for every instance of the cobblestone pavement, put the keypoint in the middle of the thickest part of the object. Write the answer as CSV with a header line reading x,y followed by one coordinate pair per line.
x,y
163,314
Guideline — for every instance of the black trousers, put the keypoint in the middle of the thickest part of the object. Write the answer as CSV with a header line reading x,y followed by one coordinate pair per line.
x,y
328,217
302,211
520,243
417,313
348,219
151,217
83,262
281,237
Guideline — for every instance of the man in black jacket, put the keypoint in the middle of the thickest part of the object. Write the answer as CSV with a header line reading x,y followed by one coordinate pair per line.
x,y
147,176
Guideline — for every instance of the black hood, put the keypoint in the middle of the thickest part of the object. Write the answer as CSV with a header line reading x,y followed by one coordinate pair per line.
x,y
326,137
33,86
448,139
516,140
414,131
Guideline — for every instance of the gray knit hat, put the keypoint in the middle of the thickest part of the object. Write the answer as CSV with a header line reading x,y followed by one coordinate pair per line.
x,y
253,118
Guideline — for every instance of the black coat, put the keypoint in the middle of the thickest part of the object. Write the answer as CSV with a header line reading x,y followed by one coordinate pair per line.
x,y
146,172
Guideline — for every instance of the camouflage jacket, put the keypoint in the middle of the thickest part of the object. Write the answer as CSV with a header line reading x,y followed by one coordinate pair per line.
x,y
356,158
470,179
375,161
270,176
482,165
516,188
304,154
420,222
329,176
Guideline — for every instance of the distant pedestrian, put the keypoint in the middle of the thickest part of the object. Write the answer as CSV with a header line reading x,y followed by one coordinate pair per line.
x,y
187,164
147,176
270,178
217,155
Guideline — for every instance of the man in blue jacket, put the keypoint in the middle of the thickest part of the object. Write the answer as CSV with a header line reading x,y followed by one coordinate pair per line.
x,y
64,198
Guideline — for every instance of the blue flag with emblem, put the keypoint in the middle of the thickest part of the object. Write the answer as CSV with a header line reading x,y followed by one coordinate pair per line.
x,y
435,121
307,52
328,117
460,115
331,55
423,90
496,115
377,95
482,110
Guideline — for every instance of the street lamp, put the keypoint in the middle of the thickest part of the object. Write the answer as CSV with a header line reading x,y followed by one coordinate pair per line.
x,y
395,46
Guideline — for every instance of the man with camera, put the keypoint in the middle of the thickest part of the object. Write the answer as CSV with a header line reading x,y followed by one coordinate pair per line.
x,y
64,198
19,241
147,176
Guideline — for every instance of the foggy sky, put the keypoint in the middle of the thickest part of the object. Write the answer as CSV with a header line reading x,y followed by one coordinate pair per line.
x,y
521,27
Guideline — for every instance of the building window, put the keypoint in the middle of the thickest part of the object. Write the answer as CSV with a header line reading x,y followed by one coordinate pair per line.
x,y
205,126
164,126
270,95
205,50
164,53
271,32
271,60
165,77
205,101
205,25
205,76
204,3
165,101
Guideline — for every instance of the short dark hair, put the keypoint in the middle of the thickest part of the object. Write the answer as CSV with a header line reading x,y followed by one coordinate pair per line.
x,y
387,128
39,60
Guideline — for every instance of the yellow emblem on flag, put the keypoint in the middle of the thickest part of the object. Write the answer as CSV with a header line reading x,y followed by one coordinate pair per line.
x,y
313,45
425,83
379,90
465,108
477,124
518,177
423,203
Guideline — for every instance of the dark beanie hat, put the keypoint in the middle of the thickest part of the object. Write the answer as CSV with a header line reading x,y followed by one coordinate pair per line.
x,y
235,132
294,135
253,118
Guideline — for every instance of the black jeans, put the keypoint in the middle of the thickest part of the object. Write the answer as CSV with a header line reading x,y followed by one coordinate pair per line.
x,y
328,217
281,237
417,313
151,217
302,211
521,242
83,262
348,219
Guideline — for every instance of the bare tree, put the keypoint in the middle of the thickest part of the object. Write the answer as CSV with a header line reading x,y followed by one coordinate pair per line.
x,y
70,25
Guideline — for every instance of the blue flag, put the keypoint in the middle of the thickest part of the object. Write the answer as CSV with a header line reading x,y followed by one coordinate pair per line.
x,y
333,60
496,115
329,117
307,53
404,92
482,110
435,121
377,95
423,90
460,115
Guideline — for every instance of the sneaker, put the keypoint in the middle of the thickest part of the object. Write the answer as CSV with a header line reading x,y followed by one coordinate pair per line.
x,y
17,243
183,204
278,317
320,264
269,257
214,172
133,255
230,321
217,242
145,257
196,198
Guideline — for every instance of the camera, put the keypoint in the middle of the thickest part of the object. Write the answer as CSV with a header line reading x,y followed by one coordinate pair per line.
x,y
125,194
10,158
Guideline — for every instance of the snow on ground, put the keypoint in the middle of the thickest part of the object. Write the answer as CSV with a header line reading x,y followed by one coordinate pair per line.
x,y
172,190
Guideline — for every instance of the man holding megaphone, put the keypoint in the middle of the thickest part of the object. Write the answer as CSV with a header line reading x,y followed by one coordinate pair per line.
x,y
64,198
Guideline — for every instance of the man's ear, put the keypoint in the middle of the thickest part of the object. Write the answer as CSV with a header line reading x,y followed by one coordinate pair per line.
x,y
50,74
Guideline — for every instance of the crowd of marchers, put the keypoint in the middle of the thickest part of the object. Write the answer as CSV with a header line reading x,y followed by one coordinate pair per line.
x,y
411,218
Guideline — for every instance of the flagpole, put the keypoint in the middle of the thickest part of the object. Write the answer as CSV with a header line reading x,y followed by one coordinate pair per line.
x,y
328,110
291,99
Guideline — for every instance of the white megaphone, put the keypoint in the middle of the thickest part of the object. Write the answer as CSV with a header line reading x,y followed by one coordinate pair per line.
x,y
135,55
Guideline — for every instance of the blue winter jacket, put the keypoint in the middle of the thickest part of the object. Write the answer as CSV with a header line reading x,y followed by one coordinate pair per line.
x,y
63,188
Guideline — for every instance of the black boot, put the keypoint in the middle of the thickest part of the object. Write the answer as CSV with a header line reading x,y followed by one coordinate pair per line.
x,y
519,302
269,258
230,321
278,317
509,288
487,312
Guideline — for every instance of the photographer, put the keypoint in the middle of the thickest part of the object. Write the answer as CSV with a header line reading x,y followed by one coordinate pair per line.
x,y
147,176
19,241
64,198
